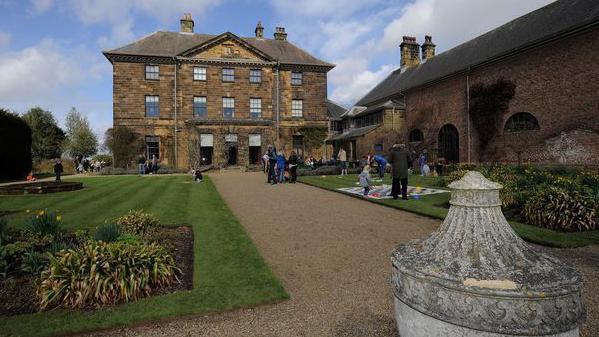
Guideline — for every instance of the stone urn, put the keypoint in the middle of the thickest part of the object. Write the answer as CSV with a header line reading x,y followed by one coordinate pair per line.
x,y
477,277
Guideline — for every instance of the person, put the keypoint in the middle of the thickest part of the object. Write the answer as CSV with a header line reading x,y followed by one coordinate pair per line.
x,y
281,166
154,164
265,163
272,160
399,158
382,163
293,167
141,165
342,157
197,175
369,158
422,160
58,169
365,180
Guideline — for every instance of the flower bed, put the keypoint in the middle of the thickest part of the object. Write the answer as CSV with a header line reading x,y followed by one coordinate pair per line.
x,y
43,266
40,187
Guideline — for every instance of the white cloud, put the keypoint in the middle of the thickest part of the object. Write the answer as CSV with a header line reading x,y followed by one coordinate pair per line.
x,y
41,6
320,8
358,84
4,40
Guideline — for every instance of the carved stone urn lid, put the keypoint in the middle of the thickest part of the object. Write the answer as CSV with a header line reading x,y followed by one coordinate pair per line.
x,y
478,273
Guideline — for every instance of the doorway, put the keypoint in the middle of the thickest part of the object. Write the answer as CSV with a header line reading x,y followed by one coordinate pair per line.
x,y
449,143
231,154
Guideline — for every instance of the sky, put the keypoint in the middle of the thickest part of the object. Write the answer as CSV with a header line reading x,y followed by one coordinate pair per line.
x,y
50,50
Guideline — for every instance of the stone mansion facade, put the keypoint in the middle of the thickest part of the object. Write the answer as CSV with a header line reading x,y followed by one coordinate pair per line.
x,y
205,99
550,59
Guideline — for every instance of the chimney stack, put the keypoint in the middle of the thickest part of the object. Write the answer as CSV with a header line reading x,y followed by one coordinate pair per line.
x,y
187,23
259,30
428,48
410,52
280,34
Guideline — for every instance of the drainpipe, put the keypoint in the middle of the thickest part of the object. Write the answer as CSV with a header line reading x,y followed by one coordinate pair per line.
x,y
277,105
468,110
175,101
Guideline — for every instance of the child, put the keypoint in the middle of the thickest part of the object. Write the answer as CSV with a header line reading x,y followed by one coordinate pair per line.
x,y
365,180
198,176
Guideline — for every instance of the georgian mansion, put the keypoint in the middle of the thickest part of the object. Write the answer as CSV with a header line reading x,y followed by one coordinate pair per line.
x,y
220,99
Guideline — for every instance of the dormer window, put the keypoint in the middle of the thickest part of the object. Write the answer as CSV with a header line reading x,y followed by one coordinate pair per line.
x,y
152,72
296,78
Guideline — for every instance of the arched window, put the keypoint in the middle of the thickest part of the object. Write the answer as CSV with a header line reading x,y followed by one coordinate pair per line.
x,y
521,121
416,136
449,143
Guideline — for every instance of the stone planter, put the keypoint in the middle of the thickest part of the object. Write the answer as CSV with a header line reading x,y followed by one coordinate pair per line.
x,y
477,277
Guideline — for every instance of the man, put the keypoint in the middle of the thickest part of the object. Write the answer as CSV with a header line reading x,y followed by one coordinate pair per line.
x,y
342,157
399,158
272,160
141,165
58,169
382,164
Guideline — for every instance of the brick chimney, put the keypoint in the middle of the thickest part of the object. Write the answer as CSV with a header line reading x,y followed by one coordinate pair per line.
x,y
259,30
410,52
428,48
187,23
280,33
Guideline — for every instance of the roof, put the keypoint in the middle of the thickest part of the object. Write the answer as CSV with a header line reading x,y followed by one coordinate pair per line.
x,y
335,110
353,133
388,104
171,44
546,23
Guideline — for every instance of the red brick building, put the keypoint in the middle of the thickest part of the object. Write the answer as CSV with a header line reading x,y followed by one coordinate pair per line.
x,y
551,58
220,99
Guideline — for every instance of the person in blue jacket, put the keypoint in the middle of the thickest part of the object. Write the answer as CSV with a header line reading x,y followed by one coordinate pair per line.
x,y
281,166
382,163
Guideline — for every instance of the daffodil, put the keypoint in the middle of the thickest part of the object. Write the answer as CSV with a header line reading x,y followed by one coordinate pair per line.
x,y
58,217
28,211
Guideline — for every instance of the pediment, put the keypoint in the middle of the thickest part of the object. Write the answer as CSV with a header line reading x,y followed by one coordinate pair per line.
x,y
227,46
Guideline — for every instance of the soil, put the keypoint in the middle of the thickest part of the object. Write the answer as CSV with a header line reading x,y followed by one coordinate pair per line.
x,y
18,292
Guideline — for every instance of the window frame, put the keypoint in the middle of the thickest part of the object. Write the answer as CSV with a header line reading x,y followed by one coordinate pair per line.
x,y
225,106
156,140
156,73
197,99
205,74
295,80
258,77
255,107
521,121
228,78
149,103
294,109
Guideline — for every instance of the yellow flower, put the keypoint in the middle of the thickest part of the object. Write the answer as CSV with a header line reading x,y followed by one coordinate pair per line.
x,y
28,211
41,212
58,218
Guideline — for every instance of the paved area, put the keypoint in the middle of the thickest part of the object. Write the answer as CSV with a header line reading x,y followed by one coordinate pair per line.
x,y
332,253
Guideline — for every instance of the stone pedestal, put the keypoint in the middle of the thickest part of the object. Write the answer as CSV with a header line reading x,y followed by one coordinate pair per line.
x,y
477,277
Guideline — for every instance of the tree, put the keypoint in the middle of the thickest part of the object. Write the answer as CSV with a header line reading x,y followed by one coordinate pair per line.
x,y
124,144
46,137
15,148
81,140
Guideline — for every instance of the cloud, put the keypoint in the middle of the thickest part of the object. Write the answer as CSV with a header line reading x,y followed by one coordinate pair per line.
x,y
41,6
359,83
4,40
320,8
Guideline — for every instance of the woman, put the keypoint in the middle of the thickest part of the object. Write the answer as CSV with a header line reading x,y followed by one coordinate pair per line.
x,y
293,166
281,166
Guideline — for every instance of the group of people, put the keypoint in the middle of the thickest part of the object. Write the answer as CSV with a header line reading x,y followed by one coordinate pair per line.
x,y
279,168
145,166
398,159
85,165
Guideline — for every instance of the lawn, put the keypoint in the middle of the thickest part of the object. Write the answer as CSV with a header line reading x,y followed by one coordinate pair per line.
x,y
436,206
228,272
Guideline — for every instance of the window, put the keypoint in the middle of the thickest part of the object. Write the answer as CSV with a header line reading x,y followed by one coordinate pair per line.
x,y
199,107
298,145
255,108
521,121
199,73
415,136
297,108
152,106
228,75
255,148
152,72
152,147
378,148
228,107
206,146
255,76
296,78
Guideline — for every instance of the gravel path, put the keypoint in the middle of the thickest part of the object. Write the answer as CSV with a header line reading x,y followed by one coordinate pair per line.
x,y
332,254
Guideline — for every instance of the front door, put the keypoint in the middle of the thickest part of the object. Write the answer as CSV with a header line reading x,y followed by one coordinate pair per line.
x,y
232,154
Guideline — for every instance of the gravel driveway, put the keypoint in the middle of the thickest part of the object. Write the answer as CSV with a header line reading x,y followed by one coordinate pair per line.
x,y
331,252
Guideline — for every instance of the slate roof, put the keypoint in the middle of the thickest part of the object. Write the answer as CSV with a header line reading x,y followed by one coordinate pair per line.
x,y
353,133
543,24
335,110
170,44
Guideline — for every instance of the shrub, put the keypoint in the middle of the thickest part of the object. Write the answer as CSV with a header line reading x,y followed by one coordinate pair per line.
x,y
137,222
102,273
44,223
33,262
15,137
3,262
3,230
129,238
561,209
108,232
454,175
